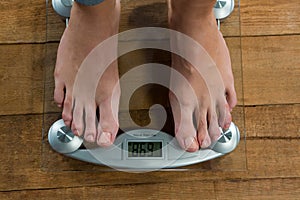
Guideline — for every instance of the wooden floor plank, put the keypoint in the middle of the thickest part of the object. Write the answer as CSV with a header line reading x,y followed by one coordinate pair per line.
x,y
270,17
271,70
22,21
203,190
231,26
24,167
245,189
259,189
50,60
268,158
281,121
55,24
21,79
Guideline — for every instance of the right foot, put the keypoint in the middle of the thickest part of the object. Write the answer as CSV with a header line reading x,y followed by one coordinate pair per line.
x,y
88,27
197,121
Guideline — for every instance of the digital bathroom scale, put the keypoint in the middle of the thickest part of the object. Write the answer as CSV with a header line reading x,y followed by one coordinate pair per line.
x,y
139,149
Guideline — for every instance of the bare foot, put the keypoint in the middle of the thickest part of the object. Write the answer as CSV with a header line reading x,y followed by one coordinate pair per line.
x,y
196,19
88,26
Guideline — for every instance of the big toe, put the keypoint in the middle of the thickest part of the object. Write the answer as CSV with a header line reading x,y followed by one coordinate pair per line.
x,y
231,97
108,124
78,121
90,123
184,128
224,115
59,93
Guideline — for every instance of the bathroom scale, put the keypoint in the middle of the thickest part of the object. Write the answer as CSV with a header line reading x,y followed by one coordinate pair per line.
x,y
136,148
139,149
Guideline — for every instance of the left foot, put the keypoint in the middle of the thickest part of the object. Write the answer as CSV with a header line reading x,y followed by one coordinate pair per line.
x,y
88,27
196,19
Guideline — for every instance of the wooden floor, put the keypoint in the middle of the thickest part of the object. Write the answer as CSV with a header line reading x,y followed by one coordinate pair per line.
x,y
264,41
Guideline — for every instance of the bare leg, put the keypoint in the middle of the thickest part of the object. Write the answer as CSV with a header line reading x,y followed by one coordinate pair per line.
x,y
88,26
196,19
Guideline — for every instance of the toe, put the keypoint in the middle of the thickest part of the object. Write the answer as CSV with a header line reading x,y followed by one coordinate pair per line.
x,y
213,126
203,136
105,139
108,123
231,97
184,128
67,110
59,93
77,122
90,123
224,115
227,121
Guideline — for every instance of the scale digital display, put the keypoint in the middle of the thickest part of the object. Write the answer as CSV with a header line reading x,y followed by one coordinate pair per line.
x,y
139,149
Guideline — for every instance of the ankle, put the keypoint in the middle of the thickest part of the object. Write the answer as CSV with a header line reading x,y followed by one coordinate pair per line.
x,y
92,19
95,10
108,9
192,19
195,9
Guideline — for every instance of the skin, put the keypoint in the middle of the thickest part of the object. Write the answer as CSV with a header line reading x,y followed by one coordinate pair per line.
x,y
88,26
87,29
196,19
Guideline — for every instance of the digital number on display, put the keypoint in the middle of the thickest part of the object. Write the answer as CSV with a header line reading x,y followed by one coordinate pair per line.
x,y
144,149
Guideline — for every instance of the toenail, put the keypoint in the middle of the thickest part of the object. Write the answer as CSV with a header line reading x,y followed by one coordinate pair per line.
x,y
76,132
226,127
105,138
67,123
206,142
90,138
189,142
